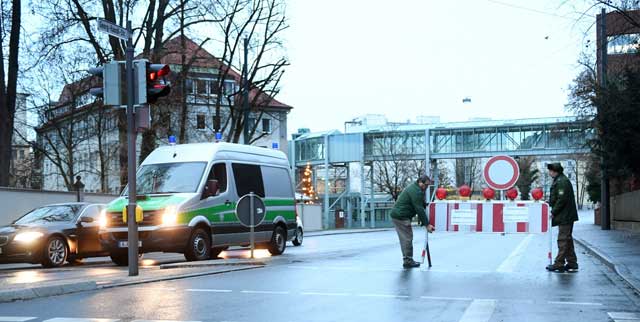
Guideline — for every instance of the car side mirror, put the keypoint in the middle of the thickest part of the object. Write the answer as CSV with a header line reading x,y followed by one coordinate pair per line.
x,y
86,220
211,189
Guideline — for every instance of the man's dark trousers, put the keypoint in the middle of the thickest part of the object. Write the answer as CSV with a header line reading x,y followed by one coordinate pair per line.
x,y
566,251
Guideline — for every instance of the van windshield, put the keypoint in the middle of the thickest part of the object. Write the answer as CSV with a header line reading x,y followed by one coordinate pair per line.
x,y
169,177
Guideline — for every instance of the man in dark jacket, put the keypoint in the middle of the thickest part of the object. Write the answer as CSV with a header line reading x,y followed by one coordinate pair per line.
x,y
410,202
564,214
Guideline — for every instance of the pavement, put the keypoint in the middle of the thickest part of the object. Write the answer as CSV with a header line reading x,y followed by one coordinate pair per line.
x,y
619,250
359,277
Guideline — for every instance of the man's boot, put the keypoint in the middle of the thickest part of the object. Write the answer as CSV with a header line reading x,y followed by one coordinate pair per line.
x,y
555,268
571,267
410,264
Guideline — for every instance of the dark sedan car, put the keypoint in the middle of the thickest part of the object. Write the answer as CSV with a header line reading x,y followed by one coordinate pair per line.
x,y
53,234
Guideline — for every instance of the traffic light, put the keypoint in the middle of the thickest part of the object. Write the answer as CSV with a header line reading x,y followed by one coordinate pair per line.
x,y
97,72
157,83
112,91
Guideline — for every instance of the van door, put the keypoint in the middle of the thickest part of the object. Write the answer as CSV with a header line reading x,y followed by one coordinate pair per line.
x,y
248,178
218,209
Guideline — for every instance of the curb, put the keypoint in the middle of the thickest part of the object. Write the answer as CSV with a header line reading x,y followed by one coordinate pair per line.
x,y
330,233
45,291
620,269
211,264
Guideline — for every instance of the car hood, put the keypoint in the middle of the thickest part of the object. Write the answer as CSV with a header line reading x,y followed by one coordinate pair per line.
x,y
11,229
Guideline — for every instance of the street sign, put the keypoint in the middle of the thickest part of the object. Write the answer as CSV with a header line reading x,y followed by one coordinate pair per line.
x,y
501,172
244,210
113,29
464,217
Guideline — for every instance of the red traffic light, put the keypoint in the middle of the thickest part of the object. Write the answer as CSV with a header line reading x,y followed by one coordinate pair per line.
x,y
157,84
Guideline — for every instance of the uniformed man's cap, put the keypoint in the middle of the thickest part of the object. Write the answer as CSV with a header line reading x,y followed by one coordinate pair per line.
x,y
424,179
557,167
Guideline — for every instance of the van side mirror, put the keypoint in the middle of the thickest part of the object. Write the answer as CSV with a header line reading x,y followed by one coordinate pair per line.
x,y
210,189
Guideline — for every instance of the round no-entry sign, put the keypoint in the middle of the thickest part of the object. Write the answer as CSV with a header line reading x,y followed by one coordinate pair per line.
x,y
501,172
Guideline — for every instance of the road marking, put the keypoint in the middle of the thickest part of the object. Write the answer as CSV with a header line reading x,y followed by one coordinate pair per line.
x,y
479,311
624,315
442,298
264,292
367,269
207,290
510,263
16,318
168,289
384,296
324,294
80,320
575,303
162,321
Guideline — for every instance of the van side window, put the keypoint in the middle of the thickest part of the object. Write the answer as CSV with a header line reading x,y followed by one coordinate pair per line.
x,y
248,178
280,182
219,172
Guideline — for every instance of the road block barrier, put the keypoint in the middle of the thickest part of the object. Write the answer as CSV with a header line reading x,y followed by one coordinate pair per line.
x,y
490,216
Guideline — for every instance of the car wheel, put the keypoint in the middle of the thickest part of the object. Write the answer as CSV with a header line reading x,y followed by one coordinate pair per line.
x,y
199,246
55,252
120,259
278,241
297,241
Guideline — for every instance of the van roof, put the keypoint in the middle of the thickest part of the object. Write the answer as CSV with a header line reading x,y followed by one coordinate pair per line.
x,y
205,152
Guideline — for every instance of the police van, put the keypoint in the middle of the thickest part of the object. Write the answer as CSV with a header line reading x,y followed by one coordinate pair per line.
x,y
188,194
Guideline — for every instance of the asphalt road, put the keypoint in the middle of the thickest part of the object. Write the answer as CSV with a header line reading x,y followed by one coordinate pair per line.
x,y
358,277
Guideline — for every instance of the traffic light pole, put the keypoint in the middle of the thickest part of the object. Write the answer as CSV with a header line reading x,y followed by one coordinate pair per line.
x,y
131,162
245,92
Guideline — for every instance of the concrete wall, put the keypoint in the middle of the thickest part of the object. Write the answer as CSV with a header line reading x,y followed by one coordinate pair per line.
x,y
625,211
311,216
17,202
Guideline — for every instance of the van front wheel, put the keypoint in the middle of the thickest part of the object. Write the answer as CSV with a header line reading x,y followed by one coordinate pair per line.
x,y
278,241
199,246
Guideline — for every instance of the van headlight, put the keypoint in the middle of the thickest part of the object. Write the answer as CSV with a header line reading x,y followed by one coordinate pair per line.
x,y
28,236
102,219
170,215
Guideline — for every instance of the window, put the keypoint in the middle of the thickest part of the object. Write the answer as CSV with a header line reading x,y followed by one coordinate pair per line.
x,y
200,121
219,172
201,87
215,87
248,179
266,125
169,177
14,154
280,182
229,88
92,211
623,44
189,86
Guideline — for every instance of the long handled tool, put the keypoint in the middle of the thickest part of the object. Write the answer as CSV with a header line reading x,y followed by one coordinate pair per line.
x,y
425,250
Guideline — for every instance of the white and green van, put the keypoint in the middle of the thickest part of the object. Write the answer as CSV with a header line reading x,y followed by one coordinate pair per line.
x,y
188,194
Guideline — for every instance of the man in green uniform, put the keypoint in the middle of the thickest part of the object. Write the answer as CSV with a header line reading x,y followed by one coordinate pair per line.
x,y
410,202
564,214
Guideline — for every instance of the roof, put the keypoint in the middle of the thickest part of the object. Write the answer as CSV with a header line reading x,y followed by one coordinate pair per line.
x,y
172,55
205,152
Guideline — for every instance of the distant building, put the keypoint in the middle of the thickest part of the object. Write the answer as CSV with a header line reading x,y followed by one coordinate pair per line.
x,y
623,40
79,136
21,166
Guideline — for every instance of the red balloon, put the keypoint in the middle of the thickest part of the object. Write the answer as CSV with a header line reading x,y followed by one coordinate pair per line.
x,y
441,193
512,193
464,191
537,194
488,193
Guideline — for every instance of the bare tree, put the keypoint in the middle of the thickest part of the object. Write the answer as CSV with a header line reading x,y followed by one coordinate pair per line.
x,y
469,172
10,16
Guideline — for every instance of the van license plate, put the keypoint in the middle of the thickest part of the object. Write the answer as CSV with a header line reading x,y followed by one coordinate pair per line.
x,y
125,244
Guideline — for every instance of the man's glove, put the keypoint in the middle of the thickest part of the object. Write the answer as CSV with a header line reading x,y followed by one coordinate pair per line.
x,y
420,223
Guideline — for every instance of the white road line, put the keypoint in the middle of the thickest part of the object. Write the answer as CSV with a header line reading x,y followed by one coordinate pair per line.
x,y
264,292
16,318
624,315
324,294
510,263
169,289
367,269
443,298
575,303
384,296
207,290
80,320
479,311
162,321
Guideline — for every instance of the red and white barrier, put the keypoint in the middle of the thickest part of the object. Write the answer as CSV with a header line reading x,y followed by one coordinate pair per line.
x,y
490,216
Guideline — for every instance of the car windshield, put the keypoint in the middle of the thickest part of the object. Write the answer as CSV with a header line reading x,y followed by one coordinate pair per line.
x,y
49,214
169,178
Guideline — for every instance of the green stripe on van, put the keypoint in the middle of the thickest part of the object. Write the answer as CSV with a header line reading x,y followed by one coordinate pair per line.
x,y
279,202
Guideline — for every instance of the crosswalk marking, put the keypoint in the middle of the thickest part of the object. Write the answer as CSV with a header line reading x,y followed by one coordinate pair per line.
x,y
80,320
575,303
16,318
479,311
624,316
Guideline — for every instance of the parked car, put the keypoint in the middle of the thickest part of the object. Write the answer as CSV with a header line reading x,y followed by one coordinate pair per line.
x,y
188,194
299,235
53,234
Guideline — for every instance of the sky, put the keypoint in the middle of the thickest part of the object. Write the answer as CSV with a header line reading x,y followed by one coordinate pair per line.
x,y
404,58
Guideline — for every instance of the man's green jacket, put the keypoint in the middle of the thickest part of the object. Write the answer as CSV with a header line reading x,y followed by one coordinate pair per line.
x,y
562,201
409,203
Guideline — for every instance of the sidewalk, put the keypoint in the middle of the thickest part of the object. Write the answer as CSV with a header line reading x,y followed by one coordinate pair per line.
x,y
344,231
620,250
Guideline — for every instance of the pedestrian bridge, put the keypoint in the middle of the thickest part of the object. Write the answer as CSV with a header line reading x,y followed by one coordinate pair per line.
x,y
479,139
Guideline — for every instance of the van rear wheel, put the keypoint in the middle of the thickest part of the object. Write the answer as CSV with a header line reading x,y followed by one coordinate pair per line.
x,y
278,241
199,246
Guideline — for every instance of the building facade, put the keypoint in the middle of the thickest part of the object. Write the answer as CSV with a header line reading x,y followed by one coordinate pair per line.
x,y
81,137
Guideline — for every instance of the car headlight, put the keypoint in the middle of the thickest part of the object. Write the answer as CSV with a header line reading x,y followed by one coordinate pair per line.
x,y
28,236
170,215
102,219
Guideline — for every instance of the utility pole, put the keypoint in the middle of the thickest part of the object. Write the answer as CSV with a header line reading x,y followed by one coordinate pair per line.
x,y
131,162
245,91
605,209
